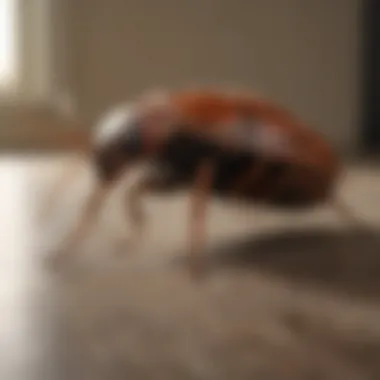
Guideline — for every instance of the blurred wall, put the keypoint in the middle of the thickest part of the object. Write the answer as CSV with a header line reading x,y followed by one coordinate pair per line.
x,y
301,53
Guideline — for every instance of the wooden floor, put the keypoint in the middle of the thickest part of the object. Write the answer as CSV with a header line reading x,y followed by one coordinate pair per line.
x,y
288,296
28,318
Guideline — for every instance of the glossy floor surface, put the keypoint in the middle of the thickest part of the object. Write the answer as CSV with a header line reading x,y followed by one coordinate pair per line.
x,y
286,297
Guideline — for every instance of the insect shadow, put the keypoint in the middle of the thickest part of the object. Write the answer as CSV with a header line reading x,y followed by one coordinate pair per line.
x,y
346,261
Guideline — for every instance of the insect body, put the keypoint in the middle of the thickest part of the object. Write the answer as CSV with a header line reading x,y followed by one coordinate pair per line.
x,y
215,144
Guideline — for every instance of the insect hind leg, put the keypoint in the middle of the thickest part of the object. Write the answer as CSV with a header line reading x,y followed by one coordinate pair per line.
x,y
347,214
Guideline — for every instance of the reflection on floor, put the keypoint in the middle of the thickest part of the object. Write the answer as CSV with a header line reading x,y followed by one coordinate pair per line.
x,y
288,296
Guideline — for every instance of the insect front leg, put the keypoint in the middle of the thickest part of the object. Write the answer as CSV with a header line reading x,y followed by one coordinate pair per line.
x,y
151,182
89,214
199,198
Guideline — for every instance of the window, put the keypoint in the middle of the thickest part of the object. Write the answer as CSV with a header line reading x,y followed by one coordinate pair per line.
x,y
8,44
26,36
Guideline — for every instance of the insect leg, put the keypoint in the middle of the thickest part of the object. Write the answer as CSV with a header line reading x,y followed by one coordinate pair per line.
x,y
347,214
91,210
199,198
345,262
134,206
152,182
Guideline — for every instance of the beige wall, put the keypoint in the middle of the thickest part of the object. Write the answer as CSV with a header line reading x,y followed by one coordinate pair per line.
x,y
301,53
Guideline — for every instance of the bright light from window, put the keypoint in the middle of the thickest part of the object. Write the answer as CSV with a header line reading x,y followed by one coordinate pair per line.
x,y
7,42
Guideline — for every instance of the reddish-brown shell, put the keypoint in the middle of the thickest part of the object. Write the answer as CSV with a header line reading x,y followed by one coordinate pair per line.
x,y
207,111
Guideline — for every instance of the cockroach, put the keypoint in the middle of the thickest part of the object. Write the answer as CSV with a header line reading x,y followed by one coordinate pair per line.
x,y
215,144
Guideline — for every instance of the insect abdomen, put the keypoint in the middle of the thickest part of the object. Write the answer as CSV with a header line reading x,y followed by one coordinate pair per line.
x,y
241,174
184,152
287,185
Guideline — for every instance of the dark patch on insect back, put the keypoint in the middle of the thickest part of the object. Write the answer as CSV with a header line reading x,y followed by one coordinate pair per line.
x,y
293,191
269,180
291,197
183,153
229,167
